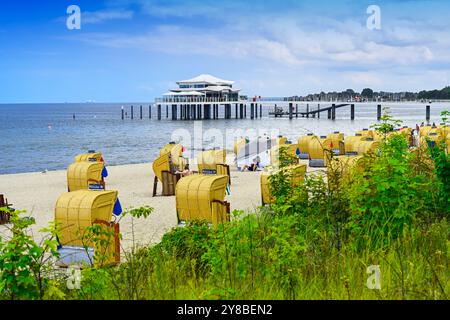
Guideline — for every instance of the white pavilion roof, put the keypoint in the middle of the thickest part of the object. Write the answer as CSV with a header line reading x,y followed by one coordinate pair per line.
x,y
184,93
206,78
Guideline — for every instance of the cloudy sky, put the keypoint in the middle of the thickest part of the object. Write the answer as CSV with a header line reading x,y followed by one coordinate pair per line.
x,y
134,50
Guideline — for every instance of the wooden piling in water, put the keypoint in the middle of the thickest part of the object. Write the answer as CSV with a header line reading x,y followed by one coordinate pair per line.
x,y
140,112
149,111
329,114
123,114
333,112
159,112
132,112
252,111
307,110
352,112
296,110
318,111
379,112
291,109
428,113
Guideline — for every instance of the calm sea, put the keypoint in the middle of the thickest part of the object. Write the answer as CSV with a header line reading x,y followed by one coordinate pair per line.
x,y
37,137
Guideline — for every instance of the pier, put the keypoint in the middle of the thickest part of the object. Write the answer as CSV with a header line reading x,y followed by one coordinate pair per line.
x,y
206,97
217,109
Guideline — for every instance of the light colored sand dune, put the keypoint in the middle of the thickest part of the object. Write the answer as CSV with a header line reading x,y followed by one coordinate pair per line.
x,y
37,194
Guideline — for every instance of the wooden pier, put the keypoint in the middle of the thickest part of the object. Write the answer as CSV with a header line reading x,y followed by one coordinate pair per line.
x,y
208,109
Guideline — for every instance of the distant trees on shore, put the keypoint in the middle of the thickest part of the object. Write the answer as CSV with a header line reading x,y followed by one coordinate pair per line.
x,y
443,94
369,94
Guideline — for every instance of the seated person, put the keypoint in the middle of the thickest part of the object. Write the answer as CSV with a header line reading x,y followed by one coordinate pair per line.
x,y
254,166
186,172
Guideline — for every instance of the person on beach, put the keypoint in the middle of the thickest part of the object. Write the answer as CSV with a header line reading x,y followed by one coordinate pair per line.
x,y
186,172
253,167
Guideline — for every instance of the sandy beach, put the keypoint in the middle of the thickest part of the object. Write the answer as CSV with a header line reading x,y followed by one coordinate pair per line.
x,y
37,193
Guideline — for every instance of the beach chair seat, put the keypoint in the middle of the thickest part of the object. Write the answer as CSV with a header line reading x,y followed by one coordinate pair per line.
x,y
213,162
202,198
296,172
78,210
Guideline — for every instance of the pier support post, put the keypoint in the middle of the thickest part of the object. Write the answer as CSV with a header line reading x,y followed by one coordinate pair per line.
x,y
123,114
140,112
252,111
318,111
174,112
149,111
237,111
329,114
132,112
167,111
291,109
199,115
428,113
352,112
256,110
159,112
207,114
241,111
245,111
307,110
260,110
333,112
296,110
379,112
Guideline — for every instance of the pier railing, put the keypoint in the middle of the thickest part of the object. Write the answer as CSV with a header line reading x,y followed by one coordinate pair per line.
x,y
199,99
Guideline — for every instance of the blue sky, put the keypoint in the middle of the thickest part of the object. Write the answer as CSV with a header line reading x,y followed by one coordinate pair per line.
x,y
134,50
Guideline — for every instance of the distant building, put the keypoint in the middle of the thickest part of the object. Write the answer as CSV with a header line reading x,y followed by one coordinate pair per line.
x,y
205,86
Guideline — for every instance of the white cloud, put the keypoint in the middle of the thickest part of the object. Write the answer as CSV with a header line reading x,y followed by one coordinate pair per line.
x,y
105,15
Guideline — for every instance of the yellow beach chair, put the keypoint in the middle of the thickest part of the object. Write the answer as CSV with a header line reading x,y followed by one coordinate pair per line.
x,y
296,172
303,145
202,198
290,150
84,175
339,169
320,150
78,210
170,161
91,156
213,162
337,143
